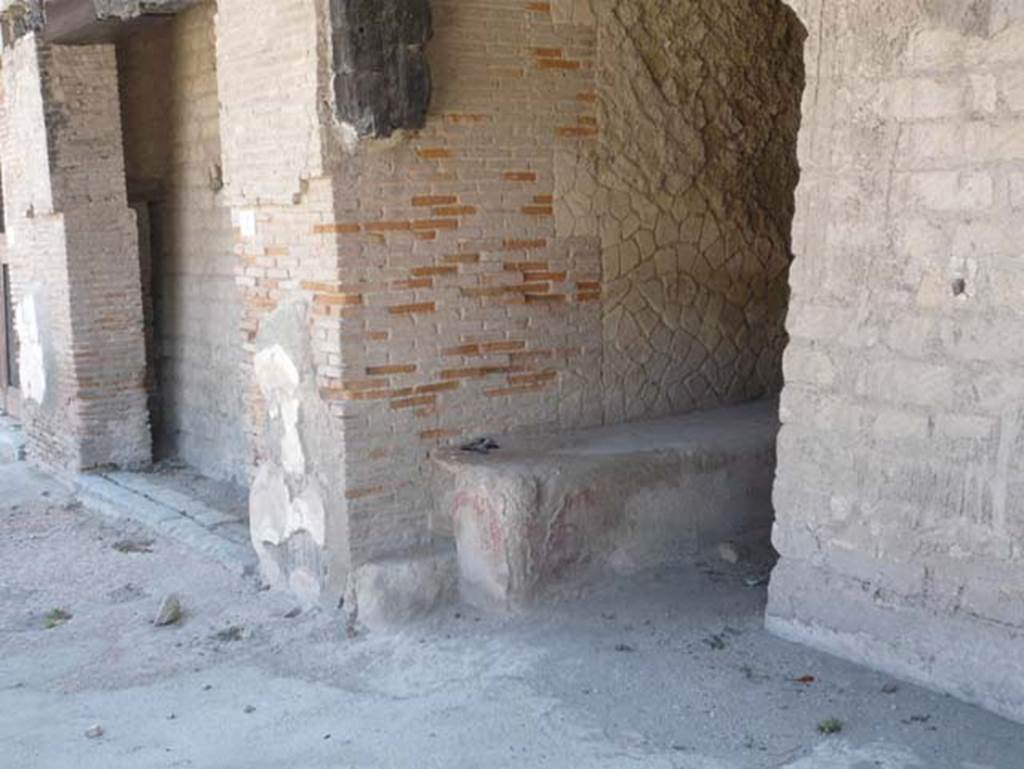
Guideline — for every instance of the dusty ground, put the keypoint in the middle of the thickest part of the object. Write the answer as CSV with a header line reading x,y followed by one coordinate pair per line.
x,y
220,495
667,670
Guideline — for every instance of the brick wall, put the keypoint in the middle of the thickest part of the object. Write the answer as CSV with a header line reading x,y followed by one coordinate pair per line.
x,y
901,476
463,311
73,252
461,280
452,277
484,283
270,111
38,269
437,300
272,69
87,171
173,156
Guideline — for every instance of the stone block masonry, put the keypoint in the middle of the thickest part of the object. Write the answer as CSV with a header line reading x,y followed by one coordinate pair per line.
x,y
900,459
73,251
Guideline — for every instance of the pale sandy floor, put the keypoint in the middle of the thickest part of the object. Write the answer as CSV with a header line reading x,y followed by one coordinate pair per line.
x,y
668,670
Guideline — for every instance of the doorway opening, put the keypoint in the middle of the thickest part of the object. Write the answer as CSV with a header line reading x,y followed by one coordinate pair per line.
x,y
9,382
170,117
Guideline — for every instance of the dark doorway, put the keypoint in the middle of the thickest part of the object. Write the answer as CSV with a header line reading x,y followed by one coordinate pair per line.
x,y
192,305
8,346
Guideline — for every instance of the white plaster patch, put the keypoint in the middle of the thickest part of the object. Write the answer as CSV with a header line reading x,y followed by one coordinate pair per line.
x,y
247,223
269,504
276,374
349,137
309,514
275,515
292,457
278,379
30,351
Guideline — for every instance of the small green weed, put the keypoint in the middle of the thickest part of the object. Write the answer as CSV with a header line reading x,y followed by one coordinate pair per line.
x,y
830,726
56,618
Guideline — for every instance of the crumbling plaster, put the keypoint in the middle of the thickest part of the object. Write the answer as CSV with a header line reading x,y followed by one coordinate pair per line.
x,y
301,478
31,362
279,194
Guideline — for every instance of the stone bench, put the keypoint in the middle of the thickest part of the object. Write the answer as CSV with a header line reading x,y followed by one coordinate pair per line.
x,y
546,510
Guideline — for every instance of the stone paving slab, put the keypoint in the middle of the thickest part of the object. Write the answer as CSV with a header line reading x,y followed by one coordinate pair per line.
x,y
131,496
191,507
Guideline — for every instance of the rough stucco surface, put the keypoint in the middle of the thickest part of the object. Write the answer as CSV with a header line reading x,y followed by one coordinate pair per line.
x,y
173,157
900,492
699,106
301,476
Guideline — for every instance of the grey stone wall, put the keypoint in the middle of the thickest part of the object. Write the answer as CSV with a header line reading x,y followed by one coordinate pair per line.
x,y
900,492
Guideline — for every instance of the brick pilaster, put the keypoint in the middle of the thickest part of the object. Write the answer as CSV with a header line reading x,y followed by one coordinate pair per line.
x,y
74,258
